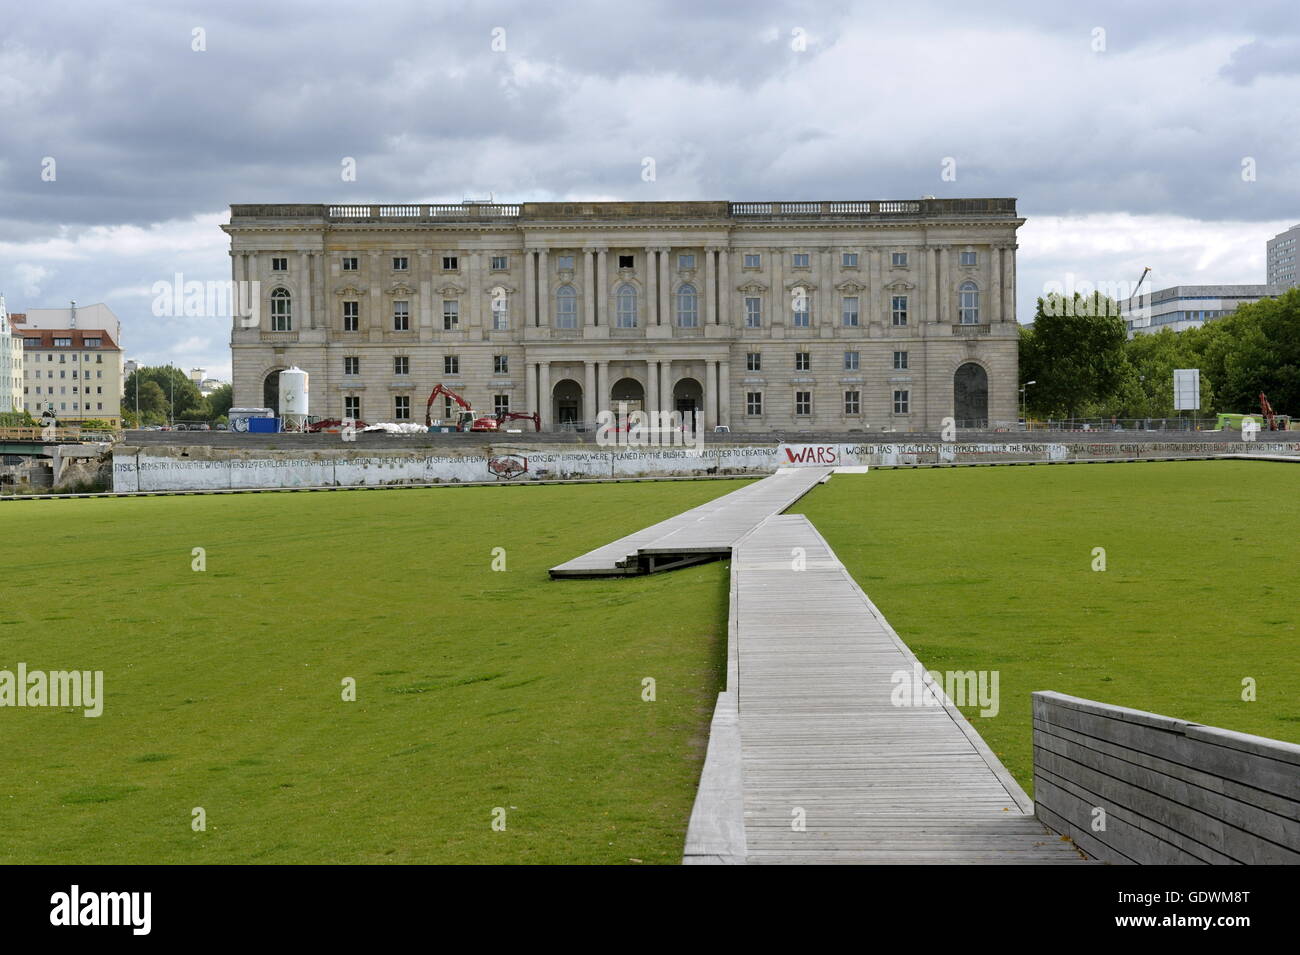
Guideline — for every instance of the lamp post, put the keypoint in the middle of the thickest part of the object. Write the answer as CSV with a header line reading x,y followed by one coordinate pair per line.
x,y
1023,416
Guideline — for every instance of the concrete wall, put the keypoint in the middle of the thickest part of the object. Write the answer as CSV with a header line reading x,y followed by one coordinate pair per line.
x,y
177,468
1172,792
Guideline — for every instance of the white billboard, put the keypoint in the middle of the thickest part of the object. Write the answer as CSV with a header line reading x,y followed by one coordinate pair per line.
x,y
1187,389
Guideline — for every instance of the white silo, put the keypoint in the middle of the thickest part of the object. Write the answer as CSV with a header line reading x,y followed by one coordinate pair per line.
x,y
293,399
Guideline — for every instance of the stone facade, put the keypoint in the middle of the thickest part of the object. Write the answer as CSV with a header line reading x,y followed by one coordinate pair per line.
x,y
841,316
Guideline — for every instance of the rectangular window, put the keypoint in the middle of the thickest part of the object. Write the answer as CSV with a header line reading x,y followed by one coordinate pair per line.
x,y
899,260
351,365
501,404
352,407
686,261
754,361
401,365
500,312
802,361
753,260
450,314
899,309
399,263
499,263
801,305
451,364
349,264
626,261
279,264
351,316
900,361
401,407
901,401
62,343
501,364
799,260
852,361
848,260
968,258
401,316
754,403
850,311
853,402
91,343
802,404
451,263
564,263
753,312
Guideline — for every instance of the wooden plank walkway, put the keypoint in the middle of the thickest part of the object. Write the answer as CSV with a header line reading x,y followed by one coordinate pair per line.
x,y
818,733
704,532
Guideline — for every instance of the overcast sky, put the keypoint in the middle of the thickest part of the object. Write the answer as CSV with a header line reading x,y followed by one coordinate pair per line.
x,y
1158,134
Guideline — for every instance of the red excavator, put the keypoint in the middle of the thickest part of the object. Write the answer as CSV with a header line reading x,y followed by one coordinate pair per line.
x,y
1275,421
469,420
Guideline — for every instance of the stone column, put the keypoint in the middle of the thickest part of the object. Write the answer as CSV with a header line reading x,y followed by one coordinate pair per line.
x,y
589,395
543,289
652,395
724,287
651,287
877,297
995,283
474,280
931,285
945,286
602,288
304,289
665,288
376,319
776,312
602,387
530,382
1009,283
530,290
825,307
710,396
724,393
544,401
666,386
588,287
424,303
710,288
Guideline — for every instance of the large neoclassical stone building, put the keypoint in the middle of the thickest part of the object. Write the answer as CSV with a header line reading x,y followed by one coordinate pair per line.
x,y
861,315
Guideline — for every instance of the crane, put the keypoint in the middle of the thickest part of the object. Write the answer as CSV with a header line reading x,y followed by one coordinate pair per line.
x,y
469,420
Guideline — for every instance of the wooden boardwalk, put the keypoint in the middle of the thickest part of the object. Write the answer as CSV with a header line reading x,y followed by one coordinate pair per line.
x,y
820,737
702,533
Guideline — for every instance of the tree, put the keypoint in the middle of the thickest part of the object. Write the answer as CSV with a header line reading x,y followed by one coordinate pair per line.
x,y
219,401
170,381
1074,354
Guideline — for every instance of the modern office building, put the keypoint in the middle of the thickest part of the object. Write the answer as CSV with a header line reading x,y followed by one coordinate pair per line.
x,y
1281,251
844,315
1188,306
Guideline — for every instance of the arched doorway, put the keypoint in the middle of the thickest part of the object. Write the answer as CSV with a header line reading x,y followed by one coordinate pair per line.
x,y
688,399
970,396
566,406
271,391
627,393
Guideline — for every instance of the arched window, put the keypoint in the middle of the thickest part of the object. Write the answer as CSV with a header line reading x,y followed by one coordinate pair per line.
x,y
688,306
626,306
566,307
500,310
281,311
968,303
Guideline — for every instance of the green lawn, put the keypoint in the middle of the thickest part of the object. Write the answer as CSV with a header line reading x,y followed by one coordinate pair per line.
x,y
476,689
991,569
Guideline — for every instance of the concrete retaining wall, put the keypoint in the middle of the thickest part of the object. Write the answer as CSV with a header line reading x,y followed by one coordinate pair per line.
x,y
1134,787
181,468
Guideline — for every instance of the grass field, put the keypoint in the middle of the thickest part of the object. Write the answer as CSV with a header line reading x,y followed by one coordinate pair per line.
x,y
991,569
475,689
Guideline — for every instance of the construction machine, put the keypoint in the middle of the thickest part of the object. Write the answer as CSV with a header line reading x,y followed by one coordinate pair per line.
x,y
467,419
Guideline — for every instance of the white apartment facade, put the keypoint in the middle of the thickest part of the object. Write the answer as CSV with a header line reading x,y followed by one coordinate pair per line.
x,y
844,316
11,364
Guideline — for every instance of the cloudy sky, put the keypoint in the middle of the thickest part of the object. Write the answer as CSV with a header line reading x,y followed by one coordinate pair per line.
x,y
1158,134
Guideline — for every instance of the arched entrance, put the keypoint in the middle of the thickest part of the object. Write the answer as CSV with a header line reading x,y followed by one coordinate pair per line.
x,y
970,396
629,393
271,392
566,407
688,399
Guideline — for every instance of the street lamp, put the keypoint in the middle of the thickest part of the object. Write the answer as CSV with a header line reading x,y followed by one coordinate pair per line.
x,y
1023,417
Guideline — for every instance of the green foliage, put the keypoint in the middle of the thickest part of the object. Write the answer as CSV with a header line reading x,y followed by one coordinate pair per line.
x,y
158,385
219,401
1074,353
